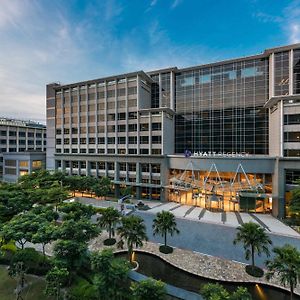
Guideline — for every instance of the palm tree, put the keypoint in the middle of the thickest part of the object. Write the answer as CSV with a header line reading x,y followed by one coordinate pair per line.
x,y
254,239
163,224
133,231
110,217
285,264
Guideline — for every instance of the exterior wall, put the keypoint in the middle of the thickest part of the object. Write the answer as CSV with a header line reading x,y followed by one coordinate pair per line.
x,y
275,130
18,164
20,136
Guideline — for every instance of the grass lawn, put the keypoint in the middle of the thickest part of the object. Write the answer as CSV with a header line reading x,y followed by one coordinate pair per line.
x,y
33,292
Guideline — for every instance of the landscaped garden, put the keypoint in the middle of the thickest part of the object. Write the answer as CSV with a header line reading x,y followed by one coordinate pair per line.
x,y
45,245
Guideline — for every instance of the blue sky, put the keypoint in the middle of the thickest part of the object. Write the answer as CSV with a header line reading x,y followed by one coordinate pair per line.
x,y
43,41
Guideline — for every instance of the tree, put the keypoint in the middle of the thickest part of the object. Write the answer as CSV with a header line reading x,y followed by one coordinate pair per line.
x,y
254,239
111,275
55,279
285,264
102,187
56,194
215,291
81,231
44,235
149,289
21,262
76,211
133,231
294,207
109,218
163,224
21,228
70,254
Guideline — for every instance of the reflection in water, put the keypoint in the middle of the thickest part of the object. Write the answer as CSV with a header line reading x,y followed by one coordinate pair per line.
x,y
155,267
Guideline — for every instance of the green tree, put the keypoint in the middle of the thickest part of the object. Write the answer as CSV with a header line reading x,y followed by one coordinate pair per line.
x,y
21,262
133,231
214,291
163,224
76,211
55,279
81,231
111,275
294,207
102,187
254,239
149,289
285,264
70,254
56,194
21,228
44,235
109,218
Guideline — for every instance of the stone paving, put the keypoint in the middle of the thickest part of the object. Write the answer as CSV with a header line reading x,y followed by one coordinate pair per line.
x,y
199,264
267,221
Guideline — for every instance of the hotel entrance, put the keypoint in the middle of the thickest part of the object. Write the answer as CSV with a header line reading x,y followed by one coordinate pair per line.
x,y
221,191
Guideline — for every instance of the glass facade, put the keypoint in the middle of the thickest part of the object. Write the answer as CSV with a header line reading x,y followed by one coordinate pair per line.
x,y
281,73
220,108
296,71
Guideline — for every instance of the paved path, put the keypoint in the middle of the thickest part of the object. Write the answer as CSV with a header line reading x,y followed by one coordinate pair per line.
x,y
212,239
270,223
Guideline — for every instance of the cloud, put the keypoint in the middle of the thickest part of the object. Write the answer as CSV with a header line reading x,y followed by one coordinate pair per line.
x,y
295,33
175,3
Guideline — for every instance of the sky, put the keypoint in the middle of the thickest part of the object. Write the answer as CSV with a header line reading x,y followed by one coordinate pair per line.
x,y
44,41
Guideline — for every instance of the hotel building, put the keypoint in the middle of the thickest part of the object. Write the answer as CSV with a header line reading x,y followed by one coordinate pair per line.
x,y
224,135
22,148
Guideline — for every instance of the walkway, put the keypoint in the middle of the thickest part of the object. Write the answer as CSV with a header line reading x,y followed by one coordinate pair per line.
x,y
232,219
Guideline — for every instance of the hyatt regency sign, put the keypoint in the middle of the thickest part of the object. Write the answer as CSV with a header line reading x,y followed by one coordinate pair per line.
x,y
220,154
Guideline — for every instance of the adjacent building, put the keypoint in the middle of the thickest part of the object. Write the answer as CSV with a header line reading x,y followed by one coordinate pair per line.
x,y
22,148
223,135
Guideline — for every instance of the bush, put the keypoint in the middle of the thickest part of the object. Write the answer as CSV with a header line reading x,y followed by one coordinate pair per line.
x,y
109,242
165,249
80,290
254,271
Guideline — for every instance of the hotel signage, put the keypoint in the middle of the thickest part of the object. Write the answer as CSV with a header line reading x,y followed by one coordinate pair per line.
x,y
219,154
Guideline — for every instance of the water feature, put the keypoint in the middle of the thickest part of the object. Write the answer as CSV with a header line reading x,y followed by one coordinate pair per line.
x,y
153,266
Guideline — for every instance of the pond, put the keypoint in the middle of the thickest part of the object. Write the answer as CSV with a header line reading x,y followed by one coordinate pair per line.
x,y
153,266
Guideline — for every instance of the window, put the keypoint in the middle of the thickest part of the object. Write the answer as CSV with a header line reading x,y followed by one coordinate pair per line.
x,y
101,165
145,168
122,166
155,168
92,140
132,151
132,115
110,166
74,130
101,140
110,93
14,133
121,92
132,127
121,151
9,171
132,90
82,151
111,117
144,140
156,139
22,134
66,130
292,119
121,140
131,167
121,116
111,140
10,163
144,127
111,151
132,140
83,141
121,128
156,151
74,141
144,151
156,126
66,141
36,164
23,164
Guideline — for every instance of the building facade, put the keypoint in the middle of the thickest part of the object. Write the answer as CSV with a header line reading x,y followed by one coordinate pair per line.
x,y
223,135
18,137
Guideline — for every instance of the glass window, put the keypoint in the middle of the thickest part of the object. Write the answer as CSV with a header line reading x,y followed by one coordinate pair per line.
x,y
23,164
